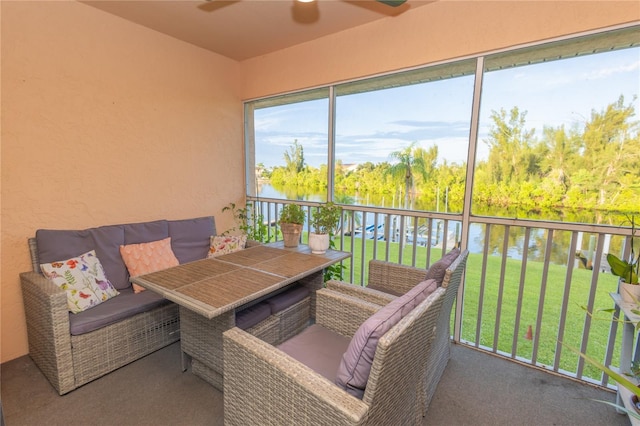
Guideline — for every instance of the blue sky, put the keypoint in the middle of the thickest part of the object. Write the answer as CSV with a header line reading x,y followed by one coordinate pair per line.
x,y
371,125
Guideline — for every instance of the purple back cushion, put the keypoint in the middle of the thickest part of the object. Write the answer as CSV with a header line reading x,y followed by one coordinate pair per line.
x,y
145,232
438,269
190,238
59,245
355,366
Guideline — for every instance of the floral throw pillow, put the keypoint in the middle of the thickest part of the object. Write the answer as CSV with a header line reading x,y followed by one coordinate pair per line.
x,y
145,258
83,279
226,244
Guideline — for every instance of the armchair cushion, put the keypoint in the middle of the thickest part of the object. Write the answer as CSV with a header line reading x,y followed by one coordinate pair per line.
x,y
356,362
438,269
318,348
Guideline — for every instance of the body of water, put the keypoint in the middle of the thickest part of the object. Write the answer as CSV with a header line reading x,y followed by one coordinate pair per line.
x,y
477,238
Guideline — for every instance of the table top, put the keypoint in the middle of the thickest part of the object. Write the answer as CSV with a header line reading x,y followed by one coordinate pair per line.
x,y
213,286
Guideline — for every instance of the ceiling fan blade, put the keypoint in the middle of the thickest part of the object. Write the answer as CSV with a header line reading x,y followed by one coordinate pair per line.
x,y
392,3
211,6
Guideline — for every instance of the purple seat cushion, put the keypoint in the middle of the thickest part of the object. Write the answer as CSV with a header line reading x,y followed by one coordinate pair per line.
x,y
287,298
317,348
58,245
248,317
438,269
356,362
190,238
122,306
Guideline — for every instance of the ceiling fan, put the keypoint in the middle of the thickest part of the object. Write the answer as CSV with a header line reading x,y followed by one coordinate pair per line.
x,y
392,3
307,12
214,4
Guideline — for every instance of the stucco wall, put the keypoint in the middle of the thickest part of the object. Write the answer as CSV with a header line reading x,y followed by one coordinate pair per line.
x,y
104,122
439,31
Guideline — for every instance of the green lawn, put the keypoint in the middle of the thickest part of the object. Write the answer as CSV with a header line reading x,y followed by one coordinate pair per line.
x,y
554,294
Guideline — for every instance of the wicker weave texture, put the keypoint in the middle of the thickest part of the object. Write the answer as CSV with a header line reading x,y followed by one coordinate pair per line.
x,y
265,386
47,316
441,350
364,293
99,352
201,338
399,279
267,330
291,321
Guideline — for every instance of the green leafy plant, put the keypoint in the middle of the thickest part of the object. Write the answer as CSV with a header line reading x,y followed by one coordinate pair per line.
x,y
628,270
325,218
249,222
292,213
333,272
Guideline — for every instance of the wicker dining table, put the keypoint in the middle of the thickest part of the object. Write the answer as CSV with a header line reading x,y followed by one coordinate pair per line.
x,y
210,291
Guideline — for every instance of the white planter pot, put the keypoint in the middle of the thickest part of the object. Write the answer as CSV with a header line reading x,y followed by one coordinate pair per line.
x,y
629,292
318,243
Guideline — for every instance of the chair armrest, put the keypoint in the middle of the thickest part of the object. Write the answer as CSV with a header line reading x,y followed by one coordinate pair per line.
x,y
263,385
47,315
364,293
396,278
341,313
252,243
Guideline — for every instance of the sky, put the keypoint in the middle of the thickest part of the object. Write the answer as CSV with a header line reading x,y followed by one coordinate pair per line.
x,y
371,125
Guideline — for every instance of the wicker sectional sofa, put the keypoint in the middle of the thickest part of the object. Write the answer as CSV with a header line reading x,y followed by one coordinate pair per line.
x,y
74,349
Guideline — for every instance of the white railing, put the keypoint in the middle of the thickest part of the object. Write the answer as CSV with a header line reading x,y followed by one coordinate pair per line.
x,y
530,288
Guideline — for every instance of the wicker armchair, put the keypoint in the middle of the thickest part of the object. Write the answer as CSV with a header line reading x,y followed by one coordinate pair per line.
x,y
263,385
399,279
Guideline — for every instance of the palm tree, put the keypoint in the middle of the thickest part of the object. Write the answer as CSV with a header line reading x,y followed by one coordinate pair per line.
x,y
411,160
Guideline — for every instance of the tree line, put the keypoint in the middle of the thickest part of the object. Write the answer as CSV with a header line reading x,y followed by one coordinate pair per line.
x,y
595,165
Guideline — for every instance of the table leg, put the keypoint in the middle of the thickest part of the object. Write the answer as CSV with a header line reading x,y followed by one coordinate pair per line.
x,y
313,282
201,339
184,360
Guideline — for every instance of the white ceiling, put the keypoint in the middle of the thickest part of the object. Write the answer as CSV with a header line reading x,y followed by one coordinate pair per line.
x,y
242,29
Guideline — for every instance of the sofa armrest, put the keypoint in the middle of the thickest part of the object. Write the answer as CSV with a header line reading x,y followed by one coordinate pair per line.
x,y
47,315
341,313
397,279
364,293
263,385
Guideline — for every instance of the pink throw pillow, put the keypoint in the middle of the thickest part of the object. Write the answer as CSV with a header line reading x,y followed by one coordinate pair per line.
x,y
145,258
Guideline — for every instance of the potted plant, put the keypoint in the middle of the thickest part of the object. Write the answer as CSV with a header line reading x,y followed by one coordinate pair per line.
x,y
324,221
628,271
291,220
